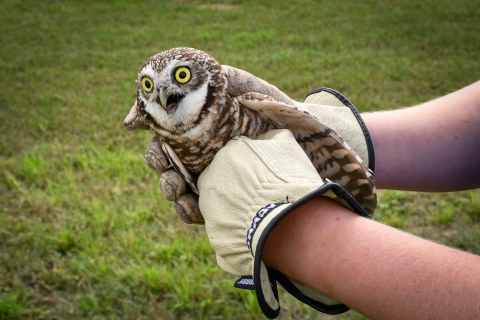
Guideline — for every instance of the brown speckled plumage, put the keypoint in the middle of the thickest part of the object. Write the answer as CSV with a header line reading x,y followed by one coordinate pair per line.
x,y
196,131
221,117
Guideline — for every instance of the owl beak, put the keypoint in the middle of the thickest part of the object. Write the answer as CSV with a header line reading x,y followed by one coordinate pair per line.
x,y
163,98
169,102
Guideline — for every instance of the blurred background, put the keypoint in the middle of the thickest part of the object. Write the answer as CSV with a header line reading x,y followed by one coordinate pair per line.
x,y
84,230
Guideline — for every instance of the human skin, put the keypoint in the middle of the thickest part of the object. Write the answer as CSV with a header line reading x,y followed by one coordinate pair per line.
x,y
434,146
382,272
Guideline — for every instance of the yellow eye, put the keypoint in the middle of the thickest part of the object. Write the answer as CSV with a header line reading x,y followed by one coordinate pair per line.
x,y
147,84
182,75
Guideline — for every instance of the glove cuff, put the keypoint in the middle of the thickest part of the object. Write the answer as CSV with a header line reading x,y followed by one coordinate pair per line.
x,y
331,97
265,280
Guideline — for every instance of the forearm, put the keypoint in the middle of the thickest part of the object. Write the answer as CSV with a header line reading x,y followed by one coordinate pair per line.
x,y
431,147
377,270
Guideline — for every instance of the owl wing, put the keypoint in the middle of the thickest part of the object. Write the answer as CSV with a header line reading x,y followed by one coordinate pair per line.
x,y
333,158
240,82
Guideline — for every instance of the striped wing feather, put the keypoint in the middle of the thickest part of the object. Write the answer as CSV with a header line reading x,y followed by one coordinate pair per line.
x,y
330,154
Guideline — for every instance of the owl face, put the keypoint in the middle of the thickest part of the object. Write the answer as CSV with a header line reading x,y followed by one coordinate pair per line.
x,y
173,86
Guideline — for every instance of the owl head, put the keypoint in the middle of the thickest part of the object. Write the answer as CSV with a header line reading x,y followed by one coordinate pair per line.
x,y
174,87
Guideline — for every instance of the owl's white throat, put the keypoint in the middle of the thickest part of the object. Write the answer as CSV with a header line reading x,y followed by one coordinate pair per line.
x,y
171,111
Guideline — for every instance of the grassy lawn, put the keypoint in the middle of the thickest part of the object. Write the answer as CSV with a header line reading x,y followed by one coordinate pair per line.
x,y
84,230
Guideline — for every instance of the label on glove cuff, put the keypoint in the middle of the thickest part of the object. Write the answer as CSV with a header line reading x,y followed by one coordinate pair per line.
x,y
245,282
262,213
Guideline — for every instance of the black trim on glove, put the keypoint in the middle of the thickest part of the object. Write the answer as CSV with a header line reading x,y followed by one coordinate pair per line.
x,y
346,102
293,290
340,192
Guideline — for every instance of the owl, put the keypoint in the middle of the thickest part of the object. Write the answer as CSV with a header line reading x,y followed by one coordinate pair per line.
x,y
195,106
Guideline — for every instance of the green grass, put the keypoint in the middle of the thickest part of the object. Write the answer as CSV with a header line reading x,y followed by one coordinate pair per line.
x,y
84,231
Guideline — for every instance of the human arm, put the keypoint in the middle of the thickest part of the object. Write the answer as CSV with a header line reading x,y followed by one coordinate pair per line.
x,y
377,270
434,146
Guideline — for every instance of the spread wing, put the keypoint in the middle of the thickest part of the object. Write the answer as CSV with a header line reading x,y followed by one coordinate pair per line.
x,y
330,154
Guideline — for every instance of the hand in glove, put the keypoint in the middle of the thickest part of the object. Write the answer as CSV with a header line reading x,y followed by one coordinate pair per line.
x,y
333,109
246,190
172,185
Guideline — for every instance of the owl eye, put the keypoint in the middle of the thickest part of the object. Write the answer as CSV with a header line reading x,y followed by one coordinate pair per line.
x,y
182,75
147,84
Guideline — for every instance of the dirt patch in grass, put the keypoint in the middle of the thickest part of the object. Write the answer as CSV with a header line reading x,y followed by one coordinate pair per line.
x,y
218,6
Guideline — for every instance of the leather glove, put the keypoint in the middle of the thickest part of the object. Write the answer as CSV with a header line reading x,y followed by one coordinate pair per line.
x,y
328,105
246,190
172,185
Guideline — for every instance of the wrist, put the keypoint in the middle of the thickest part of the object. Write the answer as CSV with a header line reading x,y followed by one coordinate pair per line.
x,y
290,243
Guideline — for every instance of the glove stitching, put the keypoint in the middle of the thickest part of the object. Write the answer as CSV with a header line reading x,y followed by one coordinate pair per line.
x,y
260,215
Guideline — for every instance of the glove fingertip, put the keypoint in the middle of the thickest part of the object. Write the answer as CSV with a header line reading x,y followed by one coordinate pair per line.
x,y
154,158
187,209
172,185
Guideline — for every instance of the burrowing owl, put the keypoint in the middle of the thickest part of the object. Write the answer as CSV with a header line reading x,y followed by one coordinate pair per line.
x,y
190,101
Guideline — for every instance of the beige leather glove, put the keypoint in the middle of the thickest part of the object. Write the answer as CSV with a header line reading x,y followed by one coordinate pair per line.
x,y
172,185
338,113
328,105
246,190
